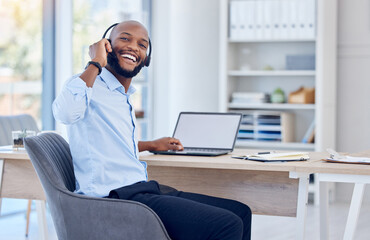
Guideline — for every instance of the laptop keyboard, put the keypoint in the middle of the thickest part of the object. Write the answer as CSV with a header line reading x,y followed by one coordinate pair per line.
x,y
202,150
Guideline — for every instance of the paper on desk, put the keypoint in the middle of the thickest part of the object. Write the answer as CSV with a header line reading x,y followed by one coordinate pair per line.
x,y
336,157
349,159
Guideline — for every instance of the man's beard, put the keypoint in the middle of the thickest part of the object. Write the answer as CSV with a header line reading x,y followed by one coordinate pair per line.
x,y
114,64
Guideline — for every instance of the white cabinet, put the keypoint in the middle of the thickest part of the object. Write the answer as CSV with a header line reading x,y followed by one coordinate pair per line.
x,y
259,64
265,126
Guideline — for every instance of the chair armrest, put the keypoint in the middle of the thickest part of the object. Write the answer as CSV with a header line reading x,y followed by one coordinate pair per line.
x,y
102,218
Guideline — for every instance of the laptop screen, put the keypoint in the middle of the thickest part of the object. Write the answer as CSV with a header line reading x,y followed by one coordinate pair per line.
x,y
207,130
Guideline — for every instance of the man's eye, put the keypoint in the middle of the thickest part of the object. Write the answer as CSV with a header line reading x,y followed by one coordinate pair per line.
x,y
125,39
142,46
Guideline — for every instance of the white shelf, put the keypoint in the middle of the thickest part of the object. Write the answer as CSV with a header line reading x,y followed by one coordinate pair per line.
x,y
271,40
277,73
277,106
274,145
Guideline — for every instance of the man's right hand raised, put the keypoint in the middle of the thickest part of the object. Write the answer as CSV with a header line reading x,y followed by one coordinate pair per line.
x,y
98,53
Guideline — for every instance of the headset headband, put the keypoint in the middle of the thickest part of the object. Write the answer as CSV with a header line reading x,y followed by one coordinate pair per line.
x,y
106,31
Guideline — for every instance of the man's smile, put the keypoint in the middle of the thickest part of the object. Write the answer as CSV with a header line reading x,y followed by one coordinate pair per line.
x,y
129,56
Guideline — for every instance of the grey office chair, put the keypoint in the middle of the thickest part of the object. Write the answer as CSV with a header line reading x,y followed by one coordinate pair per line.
x,y
77,216
15,123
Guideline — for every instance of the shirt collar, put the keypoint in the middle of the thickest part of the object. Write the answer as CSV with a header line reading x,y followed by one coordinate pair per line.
x,y
113,83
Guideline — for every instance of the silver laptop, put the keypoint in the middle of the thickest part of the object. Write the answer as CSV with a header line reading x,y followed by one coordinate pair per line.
x,y
205,134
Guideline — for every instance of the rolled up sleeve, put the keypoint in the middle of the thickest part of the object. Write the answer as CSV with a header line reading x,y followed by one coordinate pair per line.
x,y
71,104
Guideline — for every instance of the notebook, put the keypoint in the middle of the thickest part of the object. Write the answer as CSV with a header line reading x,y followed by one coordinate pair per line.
x,y
205,134
276,157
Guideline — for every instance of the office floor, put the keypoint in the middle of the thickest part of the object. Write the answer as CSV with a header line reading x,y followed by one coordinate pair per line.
x,y
13,223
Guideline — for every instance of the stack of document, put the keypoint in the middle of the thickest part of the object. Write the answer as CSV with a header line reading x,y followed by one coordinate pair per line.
x,y
249,97
276,157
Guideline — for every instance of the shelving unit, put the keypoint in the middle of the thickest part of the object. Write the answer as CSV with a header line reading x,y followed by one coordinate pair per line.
x,y
242,64
242,68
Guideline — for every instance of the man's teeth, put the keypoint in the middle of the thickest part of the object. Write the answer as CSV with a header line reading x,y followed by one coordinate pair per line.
x,y
129,57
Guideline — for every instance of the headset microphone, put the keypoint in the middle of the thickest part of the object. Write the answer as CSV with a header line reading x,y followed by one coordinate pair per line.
x,y
147,58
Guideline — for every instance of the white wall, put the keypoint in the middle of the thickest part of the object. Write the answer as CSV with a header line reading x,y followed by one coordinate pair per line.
x,y
353,75
353,93
185,60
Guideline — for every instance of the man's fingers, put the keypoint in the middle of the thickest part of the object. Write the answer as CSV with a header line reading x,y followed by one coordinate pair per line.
x,y
176,144
99,51
175,147
174,140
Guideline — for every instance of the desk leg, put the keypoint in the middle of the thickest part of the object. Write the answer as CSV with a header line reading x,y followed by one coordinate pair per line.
x,y
41,219
1,177
354,210
301,202
324,206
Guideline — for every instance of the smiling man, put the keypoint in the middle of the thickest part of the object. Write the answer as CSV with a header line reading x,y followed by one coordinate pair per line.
x,y
97,109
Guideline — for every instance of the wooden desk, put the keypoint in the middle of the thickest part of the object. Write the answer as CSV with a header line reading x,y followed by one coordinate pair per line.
x,y
268,188
18,179
272,189
359,174
279,189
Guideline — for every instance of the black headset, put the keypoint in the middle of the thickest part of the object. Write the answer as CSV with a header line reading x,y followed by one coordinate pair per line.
x,y
147,58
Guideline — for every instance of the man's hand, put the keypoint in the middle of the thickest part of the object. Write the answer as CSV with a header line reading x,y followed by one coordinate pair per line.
x,y
161,144
98,51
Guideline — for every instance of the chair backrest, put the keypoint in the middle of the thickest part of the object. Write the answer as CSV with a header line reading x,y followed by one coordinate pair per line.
x,y
52,159
14,123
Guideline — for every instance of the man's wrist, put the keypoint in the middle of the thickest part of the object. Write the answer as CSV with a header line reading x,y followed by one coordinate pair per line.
x,y
96,64
100,60
146,146
149,145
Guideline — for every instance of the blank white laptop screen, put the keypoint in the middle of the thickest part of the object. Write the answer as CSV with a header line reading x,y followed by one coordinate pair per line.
x,y
207,130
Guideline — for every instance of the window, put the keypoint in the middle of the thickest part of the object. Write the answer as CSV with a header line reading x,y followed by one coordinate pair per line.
x,y
90,20
21,57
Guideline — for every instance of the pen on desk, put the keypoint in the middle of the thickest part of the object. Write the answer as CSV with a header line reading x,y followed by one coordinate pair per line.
x,y
263,152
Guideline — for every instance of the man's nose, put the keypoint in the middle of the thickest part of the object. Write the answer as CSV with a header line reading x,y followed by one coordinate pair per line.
x,y
133,46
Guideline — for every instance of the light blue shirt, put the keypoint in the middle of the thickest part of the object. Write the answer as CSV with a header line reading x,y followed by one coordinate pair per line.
x,y
101,127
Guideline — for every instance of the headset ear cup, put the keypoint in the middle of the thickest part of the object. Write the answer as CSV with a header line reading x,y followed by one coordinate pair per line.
x,y
147,61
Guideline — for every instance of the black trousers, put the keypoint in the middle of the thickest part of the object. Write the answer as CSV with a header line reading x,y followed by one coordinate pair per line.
x,y
191,216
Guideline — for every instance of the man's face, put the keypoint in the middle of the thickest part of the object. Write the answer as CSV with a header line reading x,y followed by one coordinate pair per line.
x,y
129,43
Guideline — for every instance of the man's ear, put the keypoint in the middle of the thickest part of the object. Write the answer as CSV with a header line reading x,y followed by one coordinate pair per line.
x,y
110,42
